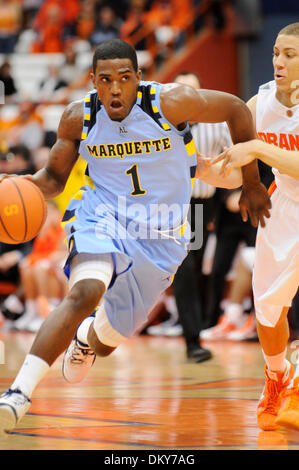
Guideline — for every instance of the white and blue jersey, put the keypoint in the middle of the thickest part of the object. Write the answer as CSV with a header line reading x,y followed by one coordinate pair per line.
x,y
135,203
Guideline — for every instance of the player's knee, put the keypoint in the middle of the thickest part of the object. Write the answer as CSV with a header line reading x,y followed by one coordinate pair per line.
x,y
85,295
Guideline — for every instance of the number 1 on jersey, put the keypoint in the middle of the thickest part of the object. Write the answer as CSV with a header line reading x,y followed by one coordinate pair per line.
x,y
133,172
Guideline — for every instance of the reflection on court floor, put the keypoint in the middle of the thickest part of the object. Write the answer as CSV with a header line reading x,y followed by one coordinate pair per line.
x,y
147,396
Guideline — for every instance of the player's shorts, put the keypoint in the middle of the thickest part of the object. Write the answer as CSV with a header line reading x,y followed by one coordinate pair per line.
x,y
276,266
142,270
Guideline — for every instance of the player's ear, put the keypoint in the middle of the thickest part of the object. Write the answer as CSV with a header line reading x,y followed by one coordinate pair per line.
x,y
139,75
92,77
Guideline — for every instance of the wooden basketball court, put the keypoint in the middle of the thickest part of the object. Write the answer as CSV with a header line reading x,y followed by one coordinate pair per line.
x,y
147,396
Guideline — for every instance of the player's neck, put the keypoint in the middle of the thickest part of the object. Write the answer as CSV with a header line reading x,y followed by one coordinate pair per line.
x,y
288,99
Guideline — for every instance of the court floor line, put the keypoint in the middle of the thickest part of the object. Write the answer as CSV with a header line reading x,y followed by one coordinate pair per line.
x,y
86,418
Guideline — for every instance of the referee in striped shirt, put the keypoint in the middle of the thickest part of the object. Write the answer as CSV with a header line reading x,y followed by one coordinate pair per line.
x,y
189,287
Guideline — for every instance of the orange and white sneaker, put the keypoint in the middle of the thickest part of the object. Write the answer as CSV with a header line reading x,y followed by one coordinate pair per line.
x,y
246,332
276,384
220,331
288,415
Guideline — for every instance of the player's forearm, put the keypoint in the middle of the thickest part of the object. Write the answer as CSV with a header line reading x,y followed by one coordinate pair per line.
x,y
49,184
286,161
250,174
211,175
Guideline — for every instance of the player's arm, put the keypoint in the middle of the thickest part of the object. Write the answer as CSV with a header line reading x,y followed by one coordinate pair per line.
x,y
52,178
286,161
181,103
213,175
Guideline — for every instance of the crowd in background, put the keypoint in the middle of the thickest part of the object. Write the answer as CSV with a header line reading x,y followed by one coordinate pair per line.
x,y
31,276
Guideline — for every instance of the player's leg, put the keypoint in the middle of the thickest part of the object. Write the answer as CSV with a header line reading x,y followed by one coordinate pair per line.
x,y
86,344
278,370
269,285
275,283
52,339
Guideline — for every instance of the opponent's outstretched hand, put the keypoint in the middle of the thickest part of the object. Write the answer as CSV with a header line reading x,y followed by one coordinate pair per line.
x,y
235,156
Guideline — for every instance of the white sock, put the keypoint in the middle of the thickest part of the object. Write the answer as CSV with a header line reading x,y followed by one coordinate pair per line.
x,y
170,304
30,306
276,363
32,371
82,332
54,301
234,313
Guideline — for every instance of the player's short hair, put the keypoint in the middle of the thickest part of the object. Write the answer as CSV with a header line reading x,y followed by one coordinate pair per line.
x,y
290,30
115,49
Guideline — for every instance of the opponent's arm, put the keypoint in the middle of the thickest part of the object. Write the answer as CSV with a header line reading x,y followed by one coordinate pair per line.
x,y
212,174
181,103
285,161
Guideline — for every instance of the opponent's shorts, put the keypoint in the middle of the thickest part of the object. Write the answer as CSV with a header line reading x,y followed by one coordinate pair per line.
x,y
276,266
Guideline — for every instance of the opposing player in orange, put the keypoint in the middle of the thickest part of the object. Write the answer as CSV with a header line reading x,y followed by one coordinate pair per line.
x,y
275,110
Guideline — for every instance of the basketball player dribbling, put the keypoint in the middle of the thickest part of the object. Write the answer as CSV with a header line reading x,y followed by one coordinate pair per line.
x,y
275,110
138,146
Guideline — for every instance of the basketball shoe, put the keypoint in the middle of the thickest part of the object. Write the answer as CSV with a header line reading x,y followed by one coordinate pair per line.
x,y
224,327
271,399
288,415
246,332
13,406
77,361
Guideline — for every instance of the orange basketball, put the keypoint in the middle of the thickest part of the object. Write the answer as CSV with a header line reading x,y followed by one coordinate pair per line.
x,y
23,210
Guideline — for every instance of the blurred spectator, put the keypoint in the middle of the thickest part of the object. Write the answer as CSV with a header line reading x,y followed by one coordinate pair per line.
x,y
30,10
16,159
85,22
10,25
54,23
50,35
169,18
26,128
69,70
136,24
10,90
50,85
107,26
13,160
44,284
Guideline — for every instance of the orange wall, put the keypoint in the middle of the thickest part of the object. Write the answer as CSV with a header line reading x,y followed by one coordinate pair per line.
x,y
214,57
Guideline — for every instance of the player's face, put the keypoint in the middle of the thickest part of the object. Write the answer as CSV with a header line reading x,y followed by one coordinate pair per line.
x,y
286,63
116,82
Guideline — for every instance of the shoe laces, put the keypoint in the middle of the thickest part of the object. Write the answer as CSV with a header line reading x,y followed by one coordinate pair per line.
x,y
80,354
271,396
17,395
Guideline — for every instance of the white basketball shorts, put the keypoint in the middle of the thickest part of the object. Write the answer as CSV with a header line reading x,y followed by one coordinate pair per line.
x,y
276,266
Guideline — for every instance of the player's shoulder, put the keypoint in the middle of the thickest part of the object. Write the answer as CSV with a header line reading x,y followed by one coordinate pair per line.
x,y
266,87
73,110
71,120
177,90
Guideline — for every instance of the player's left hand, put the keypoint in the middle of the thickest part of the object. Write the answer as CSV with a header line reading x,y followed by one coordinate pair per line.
x,y
255,201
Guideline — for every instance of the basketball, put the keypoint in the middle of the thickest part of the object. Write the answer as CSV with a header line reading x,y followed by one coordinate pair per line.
x,y
22,210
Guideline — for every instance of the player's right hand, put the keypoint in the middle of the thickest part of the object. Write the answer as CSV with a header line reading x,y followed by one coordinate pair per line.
x,y
3,176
